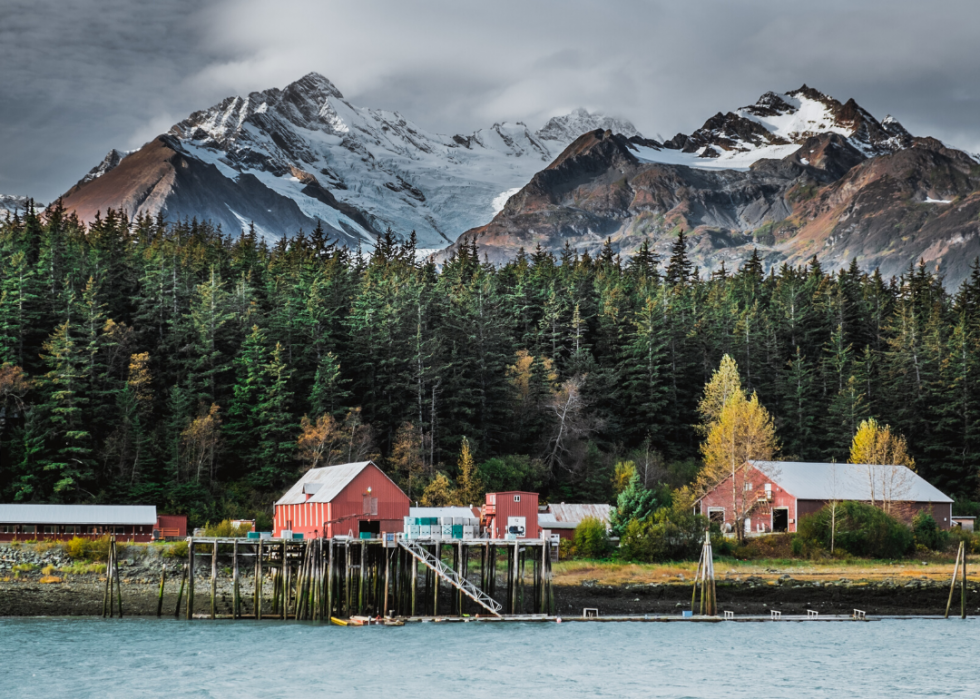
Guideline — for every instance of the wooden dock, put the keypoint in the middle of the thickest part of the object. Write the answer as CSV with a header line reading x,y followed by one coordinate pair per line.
x,y
316,579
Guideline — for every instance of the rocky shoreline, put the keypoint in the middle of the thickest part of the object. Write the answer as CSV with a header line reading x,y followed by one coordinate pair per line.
x,y
25,590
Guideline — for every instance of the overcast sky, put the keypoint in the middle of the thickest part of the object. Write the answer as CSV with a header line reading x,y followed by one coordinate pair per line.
x,y
79,78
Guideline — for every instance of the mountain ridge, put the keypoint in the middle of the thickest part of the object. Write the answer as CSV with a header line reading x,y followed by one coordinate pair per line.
x,y
356,170
805,176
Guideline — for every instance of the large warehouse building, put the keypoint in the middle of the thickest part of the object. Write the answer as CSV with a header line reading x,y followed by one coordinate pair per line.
x,y
349,499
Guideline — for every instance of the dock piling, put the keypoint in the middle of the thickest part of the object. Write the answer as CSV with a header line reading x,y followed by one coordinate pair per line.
x,y
163,579
190,578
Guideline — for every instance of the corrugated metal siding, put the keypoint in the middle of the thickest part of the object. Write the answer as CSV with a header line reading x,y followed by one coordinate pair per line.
x,y
329,479
576,513
78,514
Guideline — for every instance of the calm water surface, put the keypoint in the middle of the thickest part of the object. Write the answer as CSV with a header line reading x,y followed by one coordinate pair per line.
x,y
166,658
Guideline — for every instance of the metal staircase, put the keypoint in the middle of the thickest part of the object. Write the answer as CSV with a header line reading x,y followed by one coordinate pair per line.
x,y
451,576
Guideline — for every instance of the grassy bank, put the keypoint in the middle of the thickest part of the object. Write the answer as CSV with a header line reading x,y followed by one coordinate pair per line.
x,y
770,570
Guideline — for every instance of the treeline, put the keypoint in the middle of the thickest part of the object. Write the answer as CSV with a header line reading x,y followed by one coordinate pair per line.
x,y
175,364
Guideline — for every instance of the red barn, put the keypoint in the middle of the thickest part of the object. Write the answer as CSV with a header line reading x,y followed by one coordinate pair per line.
x,y
340,500
772,496
514,512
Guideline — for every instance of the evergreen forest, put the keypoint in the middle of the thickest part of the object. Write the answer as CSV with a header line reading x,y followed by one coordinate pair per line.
x,y
177,365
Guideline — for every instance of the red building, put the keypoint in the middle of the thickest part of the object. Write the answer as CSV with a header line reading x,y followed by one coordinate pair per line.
x,y
772,496
171,527
349,499
61,522
514,512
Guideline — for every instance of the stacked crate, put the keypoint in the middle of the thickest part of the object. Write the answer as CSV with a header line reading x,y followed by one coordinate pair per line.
x,y
441,528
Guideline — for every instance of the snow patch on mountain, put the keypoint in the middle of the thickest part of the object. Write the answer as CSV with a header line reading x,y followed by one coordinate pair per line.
x,y
797,118
727,160
501,200
396,173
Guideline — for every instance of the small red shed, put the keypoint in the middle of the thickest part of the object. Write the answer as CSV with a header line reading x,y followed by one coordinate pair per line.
x,y
170,527
339,500
512,512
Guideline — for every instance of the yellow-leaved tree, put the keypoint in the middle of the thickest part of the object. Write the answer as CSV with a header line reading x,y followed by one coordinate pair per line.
x,y
874,444
439,493
623,472
737,429
469,486
877,446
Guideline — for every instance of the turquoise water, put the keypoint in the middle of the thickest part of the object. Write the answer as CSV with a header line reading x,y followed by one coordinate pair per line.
x,y
54,657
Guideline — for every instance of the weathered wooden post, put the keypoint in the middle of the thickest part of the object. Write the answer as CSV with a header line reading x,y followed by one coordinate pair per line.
x,y
180,593
214,576
286,575
415,580
163,579
115,565
257,605
491,569
360,578
962,586
190,578
514,573
234,582
545,555
108,583
952,586
435,581
330,579
387,579
462,559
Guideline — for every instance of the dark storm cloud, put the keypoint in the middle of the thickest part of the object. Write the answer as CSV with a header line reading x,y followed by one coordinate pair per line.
x,y
80,78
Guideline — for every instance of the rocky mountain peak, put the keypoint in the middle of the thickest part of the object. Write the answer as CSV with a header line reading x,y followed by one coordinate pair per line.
x,y
566,128
110,161
315,86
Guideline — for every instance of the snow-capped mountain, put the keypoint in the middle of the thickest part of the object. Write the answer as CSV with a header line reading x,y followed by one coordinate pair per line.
x,y
318,157
775,127
793,176
11,203
562,130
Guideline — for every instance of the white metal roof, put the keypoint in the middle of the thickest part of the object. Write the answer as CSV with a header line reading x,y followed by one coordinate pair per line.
x,y
821,481
546,520
78,514
456,511
327,481
576,513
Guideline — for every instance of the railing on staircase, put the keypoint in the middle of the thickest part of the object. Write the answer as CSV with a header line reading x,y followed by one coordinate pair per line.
x,y
451,576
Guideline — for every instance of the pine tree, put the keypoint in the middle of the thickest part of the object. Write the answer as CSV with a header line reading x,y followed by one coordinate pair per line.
x,y
277,445
70,460
635,503
679,268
